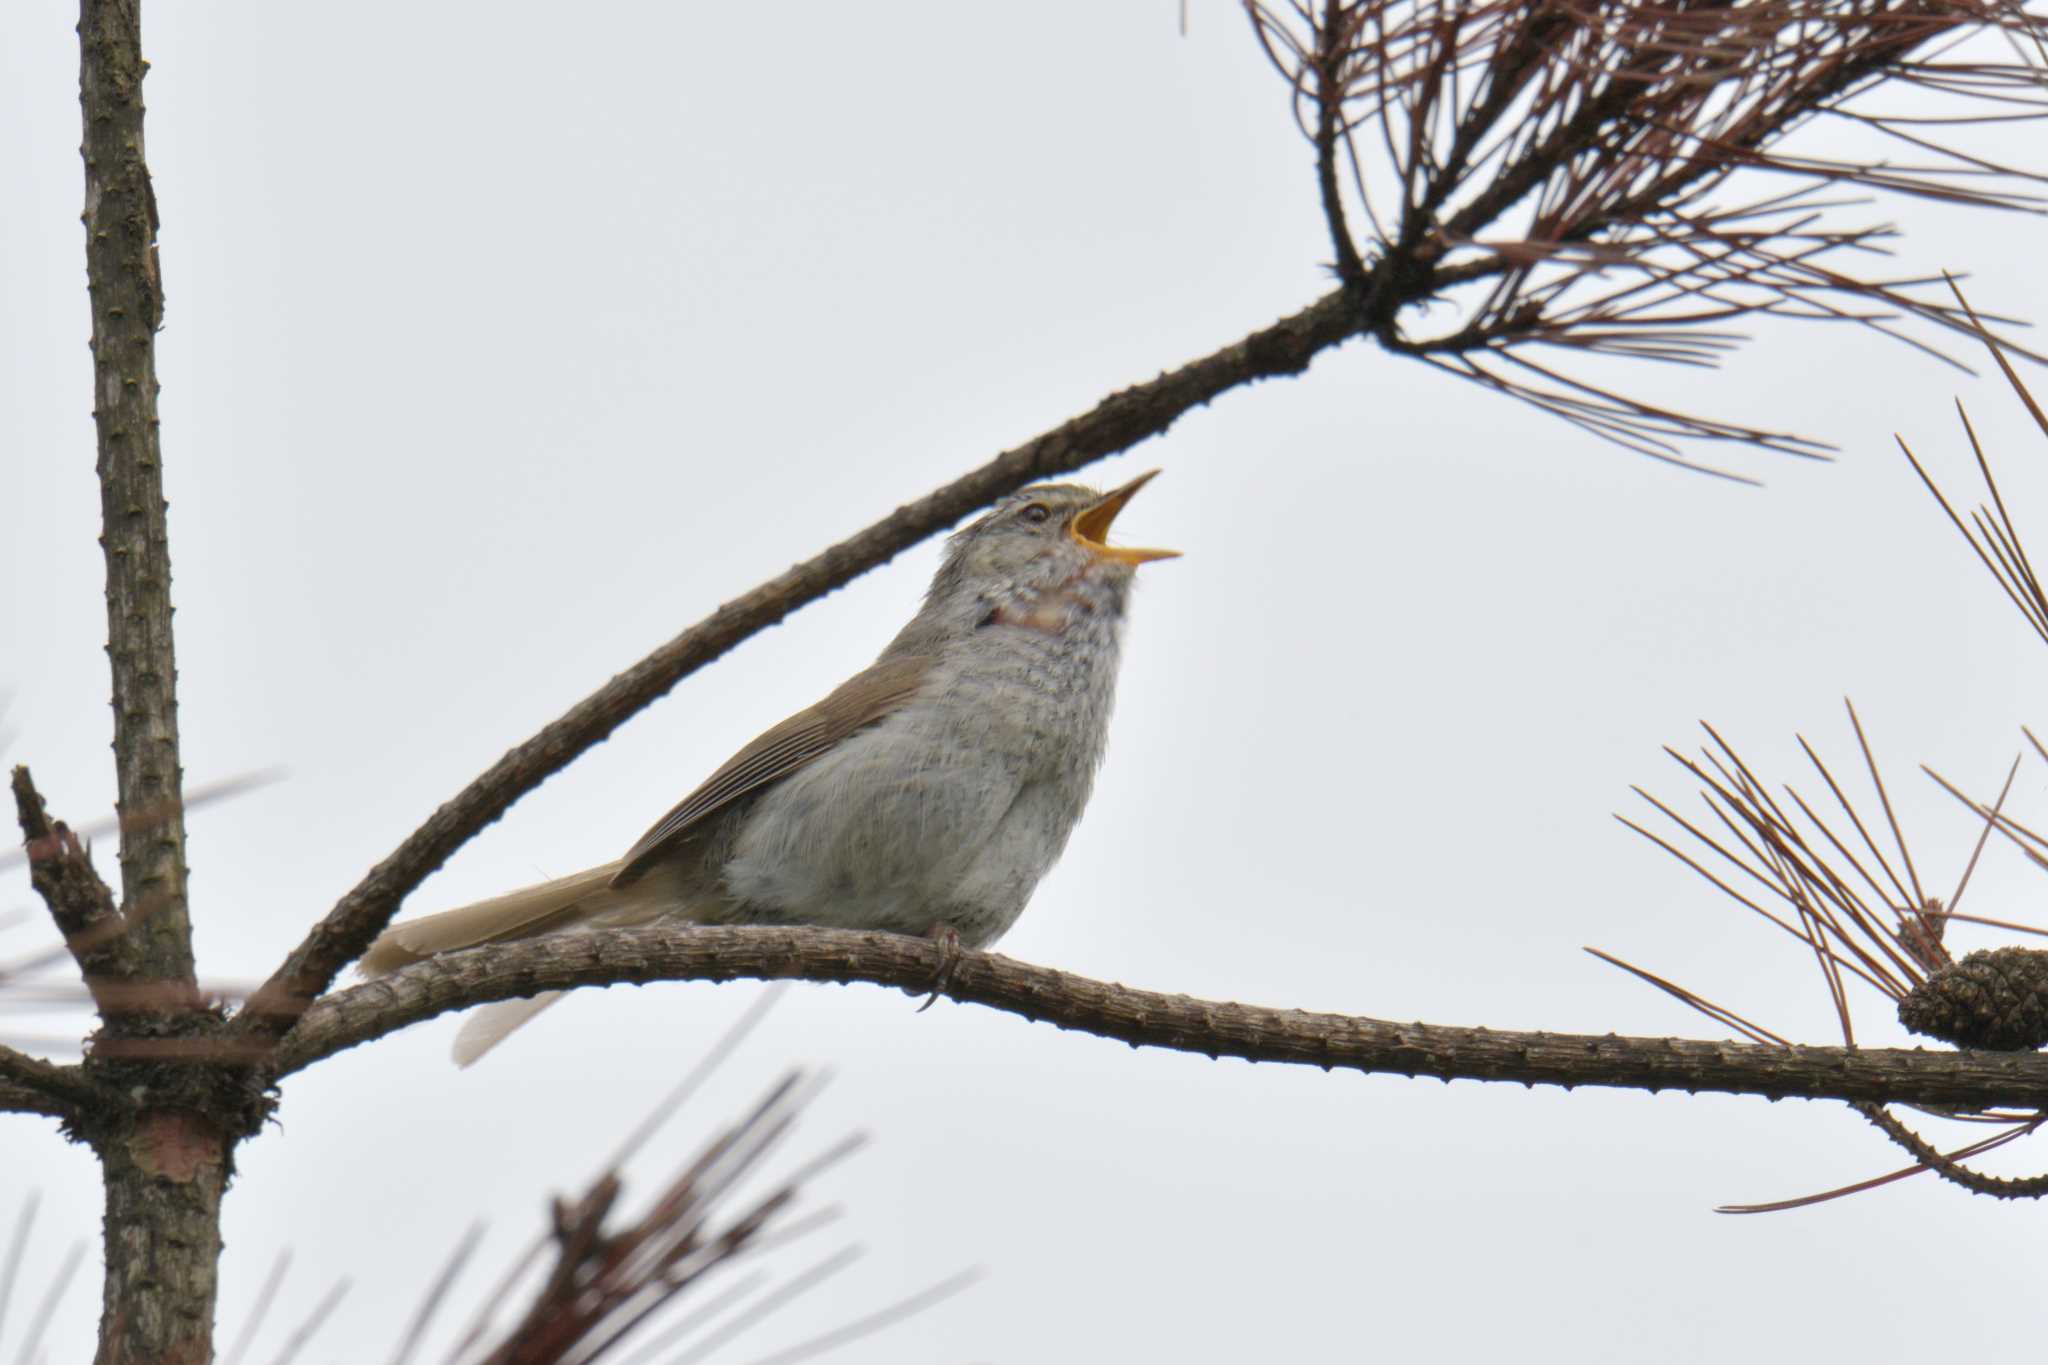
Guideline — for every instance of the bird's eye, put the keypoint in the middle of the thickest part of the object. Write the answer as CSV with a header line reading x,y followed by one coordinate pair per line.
x,y
1037,513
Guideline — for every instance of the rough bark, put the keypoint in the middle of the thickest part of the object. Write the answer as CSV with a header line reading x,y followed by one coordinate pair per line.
x,y
79,901
1961,1080
164,1164
127,306
164,1174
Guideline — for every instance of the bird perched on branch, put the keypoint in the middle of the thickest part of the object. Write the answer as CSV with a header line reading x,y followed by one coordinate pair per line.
x,y
927,794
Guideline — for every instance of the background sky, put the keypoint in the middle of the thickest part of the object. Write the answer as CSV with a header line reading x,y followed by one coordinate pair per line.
x,y
504,341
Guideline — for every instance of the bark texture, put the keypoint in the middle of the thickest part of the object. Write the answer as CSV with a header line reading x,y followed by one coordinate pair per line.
x,y
127,306
164,1164
81,904
1212,1028
164,1176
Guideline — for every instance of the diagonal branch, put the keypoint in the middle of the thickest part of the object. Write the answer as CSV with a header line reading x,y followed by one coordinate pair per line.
x,y
1953,1080
61,871
1116,424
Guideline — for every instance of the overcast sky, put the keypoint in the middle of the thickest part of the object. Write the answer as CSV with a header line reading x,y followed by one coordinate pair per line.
x,y
504,341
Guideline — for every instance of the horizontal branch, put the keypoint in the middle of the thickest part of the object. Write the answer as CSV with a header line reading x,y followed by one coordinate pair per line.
x,y
22,1099
1956,1080
1117,423
29,1085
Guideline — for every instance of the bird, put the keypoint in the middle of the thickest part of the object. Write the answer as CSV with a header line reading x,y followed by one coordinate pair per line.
x,y
927,795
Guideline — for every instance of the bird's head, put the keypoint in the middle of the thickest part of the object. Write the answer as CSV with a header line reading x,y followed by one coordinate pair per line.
x,y
1047,537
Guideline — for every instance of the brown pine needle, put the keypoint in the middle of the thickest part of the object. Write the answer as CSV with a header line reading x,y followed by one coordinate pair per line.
x,y
266,1297
46,1311
874,1322
437,1294
1977,1148
11,1275
1884,798
1756,1033
2014,925
1983,837
305,1331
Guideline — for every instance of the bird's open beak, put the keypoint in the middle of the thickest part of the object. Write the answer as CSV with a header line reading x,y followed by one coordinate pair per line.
x,y
1091,527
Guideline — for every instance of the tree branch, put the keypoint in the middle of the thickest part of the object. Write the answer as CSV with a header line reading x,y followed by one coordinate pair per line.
x,y
1117,423
1924,1152
127,307
16,1098
1334,45
61,871
1960,1080
32,1085
1587,148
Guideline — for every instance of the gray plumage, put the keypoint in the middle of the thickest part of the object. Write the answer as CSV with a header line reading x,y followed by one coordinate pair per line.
x,y
928,794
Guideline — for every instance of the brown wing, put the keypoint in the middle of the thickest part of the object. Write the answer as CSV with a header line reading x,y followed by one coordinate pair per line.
x,y
863,699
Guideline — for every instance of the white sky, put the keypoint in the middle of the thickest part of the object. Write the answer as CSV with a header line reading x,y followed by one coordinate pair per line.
x,y
504,341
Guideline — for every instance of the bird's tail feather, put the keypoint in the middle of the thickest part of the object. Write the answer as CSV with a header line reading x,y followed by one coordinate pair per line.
x,y
551,907
516,914
488,1025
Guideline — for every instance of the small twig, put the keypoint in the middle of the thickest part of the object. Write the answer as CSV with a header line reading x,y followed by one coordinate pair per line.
x,y
61,870
1546,149
1998,1187
1876,1182
1334,41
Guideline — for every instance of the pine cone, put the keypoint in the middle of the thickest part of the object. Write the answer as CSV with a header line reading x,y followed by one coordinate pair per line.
x,y
1995,1000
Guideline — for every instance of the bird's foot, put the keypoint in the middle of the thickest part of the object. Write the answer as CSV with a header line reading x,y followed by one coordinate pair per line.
x,y
948,939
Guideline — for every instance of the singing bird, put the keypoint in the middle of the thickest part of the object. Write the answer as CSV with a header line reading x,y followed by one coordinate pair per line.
x,y
927,794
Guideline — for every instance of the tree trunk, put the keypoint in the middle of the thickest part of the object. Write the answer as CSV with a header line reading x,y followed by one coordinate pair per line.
x,y
164,1164
164,1175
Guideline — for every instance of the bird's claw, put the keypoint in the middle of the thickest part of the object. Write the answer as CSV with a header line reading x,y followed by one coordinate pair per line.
x,y
948,939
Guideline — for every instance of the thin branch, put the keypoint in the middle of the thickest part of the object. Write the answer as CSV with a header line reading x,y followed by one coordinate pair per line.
x,y
1329,101
1891,1177
1116,424
1964,1080
1948,1168
1549,148
61,871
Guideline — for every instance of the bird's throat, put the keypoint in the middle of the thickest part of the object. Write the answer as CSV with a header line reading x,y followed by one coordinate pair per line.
x,y
1052,611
